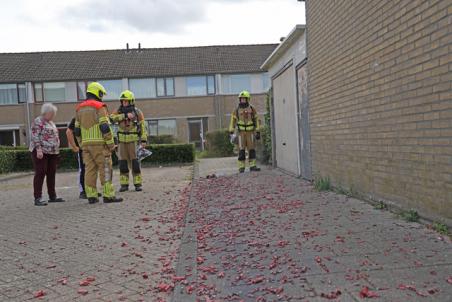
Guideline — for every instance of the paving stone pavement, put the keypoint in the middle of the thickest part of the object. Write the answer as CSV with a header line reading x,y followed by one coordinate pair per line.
x,y
268,236
129,249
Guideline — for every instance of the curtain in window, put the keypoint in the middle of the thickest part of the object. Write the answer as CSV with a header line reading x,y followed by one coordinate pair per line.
x,y
8,94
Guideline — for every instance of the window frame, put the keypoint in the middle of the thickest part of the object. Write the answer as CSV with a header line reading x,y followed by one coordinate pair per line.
x,y
148,121
41,90
55,101
165,86
152,84
214,84
17,94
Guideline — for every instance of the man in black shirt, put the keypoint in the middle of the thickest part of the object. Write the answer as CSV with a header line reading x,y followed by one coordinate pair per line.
x,y
76,148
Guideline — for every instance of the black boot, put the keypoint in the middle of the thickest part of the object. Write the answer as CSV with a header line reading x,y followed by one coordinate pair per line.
x,y
124,188
241,170
255,169
56,199
83,195
138,188
112,199
40,202
93,200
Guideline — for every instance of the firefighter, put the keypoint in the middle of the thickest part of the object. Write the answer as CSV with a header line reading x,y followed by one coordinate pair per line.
x,y
95,137
131,133
244,118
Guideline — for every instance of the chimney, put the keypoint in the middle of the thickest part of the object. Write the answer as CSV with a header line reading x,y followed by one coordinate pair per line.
x,y
282,39
127,47
139,47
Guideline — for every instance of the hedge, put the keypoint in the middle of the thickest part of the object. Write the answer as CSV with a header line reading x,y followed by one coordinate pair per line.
x,y
162,139
16,160
218,144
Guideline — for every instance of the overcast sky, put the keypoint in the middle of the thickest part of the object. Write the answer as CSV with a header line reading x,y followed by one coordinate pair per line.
x,y
37,25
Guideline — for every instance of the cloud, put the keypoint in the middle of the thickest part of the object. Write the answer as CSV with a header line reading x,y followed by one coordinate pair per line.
x,y
158,16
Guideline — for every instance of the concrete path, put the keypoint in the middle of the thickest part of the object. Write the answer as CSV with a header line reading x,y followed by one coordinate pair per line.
x,y
270,237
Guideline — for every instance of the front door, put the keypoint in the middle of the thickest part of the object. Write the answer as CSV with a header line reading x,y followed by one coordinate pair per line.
x,y
196,133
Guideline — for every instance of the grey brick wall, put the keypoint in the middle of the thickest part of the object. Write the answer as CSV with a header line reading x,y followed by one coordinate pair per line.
x,y
380,75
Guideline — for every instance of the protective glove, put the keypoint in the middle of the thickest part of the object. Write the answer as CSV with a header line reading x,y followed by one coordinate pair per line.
x,y
258,135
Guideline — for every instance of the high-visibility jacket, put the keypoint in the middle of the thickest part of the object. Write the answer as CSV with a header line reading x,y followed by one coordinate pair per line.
x,y
92,125
130,130
244,119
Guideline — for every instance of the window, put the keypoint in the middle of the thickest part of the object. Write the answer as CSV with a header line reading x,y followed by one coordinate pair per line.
x,y
142,88
200,85
22,92
8,94
113,87
39,97
81,91
162,127
266,82
240,82
234,84
54,92
9,138
210,84
165,87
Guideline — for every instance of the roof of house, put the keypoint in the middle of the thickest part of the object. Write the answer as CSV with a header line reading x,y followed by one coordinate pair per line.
x,y
297,32
119,63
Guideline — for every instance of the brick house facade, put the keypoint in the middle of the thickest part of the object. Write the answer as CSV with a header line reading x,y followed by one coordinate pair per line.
x,y
380,97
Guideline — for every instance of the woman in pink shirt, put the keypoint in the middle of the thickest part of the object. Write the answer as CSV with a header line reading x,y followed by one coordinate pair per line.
x,y
45,149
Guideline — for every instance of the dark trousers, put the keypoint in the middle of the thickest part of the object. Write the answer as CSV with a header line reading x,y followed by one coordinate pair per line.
x,y
81,172
44,168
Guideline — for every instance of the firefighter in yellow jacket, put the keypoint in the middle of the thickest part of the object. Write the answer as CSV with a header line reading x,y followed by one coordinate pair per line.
x,y
131,132
244,118
94,134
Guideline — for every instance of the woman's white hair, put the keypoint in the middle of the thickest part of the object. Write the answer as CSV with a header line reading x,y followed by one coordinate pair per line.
x,y
48,107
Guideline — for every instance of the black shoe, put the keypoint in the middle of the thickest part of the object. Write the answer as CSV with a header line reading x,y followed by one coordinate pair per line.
x,y
40,202
241,170
138,188
93,200
255,169
83,195
124,188
99,194
56,199
112,199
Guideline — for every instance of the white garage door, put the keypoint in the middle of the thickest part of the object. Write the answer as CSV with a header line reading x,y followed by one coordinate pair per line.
x,y
286,126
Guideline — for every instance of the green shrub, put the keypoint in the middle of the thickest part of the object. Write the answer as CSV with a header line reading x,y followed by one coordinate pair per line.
x,y
162,139
322,184
440,228
7,160
218,144
267,131
410,216
20,159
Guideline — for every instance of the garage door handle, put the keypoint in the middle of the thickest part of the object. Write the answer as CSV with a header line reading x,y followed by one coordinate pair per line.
x,y
283,144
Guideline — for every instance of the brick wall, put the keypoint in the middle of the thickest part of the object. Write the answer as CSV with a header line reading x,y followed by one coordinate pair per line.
x,y
380,75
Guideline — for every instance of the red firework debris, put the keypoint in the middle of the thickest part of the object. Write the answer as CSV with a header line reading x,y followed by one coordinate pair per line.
x,y
87,281
164,287
449,280
39,294
332,295
366,293
62,281
82,291
200,260
146,219
257,280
